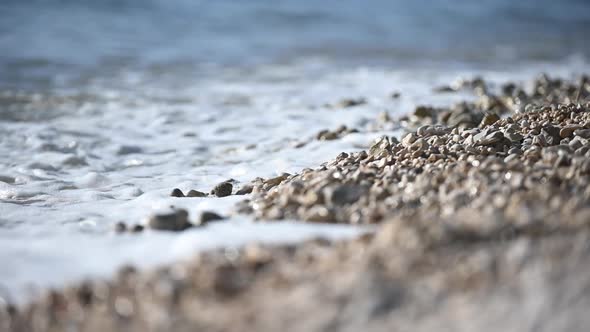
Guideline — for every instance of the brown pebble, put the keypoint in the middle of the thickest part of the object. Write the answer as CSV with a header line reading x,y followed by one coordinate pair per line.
x,y
568,131
195,193
489,119
345,103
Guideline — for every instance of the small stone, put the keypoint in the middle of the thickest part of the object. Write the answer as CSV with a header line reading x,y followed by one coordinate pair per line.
x,y
576,143
137,228
456,147
515,151
273,182
408,140
423,130
344,194
513,136
381,145
247,189
510,158
176,220
319,213
568,131
195,193
423,112
488,139
222,190
176,193
326,135
345,103
208,216
489,119
444,89
419,145
120,227
584,133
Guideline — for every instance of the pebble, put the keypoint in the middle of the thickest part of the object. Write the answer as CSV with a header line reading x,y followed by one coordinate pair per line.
x,y
207,217
513,137
423,112
247,189
176,193
345,103
196,193
584,133
408,139
137,228
272,182
175,220
120,227
489,119
344,194
568,130
222,190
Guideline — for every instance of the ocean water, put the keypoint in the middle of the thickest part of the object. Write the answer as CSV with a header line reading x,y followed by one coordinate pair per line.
x,y
106,106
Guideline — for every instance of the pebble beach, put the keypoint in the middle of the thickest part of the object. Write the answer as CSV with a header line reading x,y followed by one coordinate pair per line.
x,y
173,165
482,206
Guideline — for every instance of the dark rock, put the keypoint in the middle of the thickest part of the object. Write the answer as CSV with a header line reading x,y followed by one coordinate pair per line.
x,y
137,228
552,132
223,189
120,227
208,216
247,189
424,112
345,103
444,89
489,119
128,149
176,193
176,220
326,135
195,193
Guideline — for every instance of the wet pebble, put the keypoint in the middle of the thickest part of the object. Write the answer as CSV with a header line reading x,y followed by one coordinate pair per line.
x,y
208,216
137,228
175,220
177,193
244,190
120,227
195,193
222,190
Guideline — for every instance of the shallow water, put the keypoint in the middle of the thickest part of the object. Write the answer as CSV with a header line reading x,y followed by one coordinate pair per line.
x,y
92,133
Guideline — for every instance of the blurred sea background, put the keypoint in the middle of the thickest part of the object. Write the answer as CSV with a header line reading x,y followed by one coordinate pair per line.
x,y
105,106
44,40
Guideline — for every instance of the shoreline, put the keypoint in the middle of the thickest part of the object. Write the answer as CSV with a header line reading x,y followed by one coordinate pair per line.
x,y
481,199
